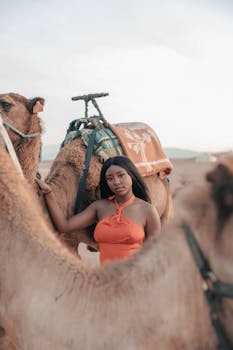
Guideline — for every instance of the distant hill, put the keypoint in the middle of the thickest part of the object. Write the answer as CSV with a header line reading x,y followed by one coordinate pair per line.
x,y
182,153
49,152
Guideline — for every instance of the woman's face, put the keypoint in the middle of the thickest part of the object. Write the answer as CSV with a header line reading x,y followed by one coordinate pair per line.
x,y
118,180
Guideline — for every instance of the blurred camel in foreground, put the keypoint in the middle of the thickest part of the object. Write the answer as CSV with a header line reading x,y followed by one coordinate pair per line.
x,y
51,300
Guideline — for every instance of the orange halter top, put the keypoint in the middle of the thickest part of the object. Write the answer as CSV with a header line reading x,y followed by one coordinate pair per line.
x,y
118,237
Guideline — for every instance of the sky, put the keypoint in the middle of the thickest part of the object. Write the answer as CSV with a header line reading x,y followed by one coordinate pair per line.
x,y
165,63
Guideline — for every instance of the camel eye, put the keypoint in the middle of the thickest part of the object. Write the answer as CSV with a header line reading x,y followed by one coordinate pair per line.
x,y
5,105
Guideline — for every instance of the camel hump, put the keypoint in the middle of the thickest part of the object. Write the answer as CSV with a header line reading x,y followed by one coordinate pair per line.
x,y
141,144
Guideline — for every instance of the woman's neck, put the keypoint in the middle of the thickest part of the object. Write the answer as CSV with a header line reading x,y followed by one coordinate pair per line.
x,y
122,199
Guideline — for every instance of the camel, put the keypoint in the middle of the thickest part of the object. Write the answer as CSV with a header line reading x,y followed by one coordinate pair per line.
x,y
21,114
153,301
24,128
66,170
65,174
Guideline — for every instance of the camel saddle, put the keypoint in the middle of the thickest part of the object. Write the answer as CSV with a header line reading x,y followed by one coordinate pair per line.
x,y
136,140
141,144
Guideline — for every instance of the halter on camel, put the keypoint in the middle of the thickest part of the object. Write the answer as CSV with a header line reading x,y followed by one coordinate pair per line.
x,y
9,146
214,289
37,107
20,133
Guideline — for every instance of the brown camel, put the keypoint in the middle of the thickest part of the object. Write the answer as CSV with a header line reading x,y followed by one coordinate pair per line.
x,y
153,301
21,114
66,170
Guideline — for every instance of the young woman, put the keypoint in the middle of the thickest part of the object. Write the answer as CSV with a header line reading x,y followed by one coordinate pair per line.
x,y
123,216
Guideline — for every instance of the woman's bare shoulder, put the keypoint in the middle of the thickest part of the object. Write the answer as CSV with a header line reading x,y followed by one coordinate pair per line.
x,y
148,207
140,201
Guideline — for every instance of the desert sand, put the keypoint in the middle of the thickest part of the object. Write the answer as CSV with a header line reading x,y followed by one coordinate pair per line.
x,y
185,172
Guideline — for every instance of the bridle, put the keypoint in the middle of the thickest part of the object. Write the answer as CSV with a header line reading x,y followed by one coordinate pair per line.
x,y
8,141
214,289
20,133
9,146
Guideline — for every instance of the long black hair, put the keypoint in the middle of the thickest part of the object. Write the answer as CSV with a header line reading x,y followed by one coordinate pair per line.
x,y
139,187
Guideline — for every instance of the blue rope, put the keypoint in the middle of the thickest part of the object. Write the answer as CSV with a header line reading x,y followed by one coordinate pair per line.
x,y
24,136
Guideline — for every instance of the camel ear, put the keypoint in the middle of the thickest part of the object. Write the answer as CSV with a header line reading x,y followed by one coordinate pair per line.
x,y
35,105
217,175
221,179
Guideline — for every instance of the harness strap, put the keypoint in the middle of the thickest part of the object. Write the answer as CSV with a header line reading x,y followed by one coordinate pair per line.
x,y
20,133
82,182
223,289
199,258
10,147
218,288
213,294
224,342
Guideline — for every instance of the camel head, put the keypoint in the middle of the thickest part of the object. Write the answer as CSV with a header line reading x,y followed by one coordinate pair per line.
x,y
207,207
221,179
219,248
21,113
21,120
221,182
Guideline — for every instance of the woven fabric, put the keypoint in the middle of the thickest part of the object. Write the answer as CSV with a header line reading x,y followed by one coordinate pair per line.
x,y
106,143
72,135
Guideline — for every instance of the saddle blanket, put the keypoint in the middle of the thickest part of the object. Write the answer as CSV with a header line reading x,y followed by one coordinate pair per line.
x,y
106,143
141,144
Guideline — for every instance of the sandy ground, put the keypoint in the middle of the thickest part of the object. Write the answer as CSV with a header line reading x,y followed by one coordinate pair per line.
x,y
186,171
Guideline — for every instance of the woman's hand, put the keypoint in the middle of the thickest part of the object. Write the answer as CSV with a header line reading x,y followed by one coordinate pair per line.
x,y
45,188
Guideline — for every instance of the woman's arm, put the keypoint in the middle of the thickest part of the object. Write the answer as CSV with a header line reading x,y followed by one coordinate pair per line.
x,y
79,221
153,222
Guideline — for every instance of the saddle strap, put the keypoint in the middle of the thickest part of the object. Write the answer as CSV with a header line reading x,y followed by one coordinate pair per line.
x,y
213,295
82,182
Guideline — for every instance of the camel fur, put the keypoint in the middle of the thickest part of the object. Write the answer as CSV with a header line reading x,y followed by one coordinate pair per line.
x,y
52,300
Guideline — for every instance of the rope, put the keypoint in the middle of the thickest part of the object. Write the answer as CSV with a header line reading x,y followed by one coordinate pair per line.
x,y
10,147
20,133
